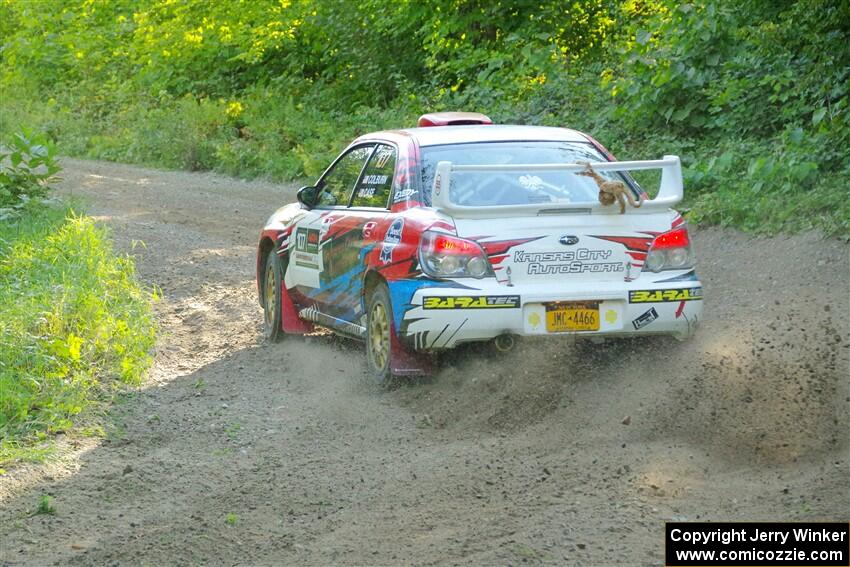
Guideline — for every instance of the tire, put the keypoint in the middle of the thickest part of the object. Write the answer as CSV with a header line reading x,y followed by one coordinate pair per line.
x,y
272,279
379,331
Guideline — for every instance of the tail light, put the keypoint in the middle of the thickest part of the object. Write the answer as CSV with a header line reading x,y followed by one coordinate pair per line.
x,y
670,251
446,256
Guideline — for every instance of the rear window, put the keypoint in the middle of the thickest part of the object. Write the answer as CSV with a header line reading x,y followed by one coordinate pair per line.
x,y
494,188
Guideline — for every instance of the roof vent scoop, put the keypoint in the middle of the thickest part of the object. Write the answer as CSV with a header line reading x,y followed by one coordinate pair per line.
x,y
453,119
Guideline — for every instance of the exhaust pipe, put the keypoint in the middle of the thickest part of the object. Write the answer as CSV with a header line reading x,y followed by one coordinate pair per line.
x,y
504,343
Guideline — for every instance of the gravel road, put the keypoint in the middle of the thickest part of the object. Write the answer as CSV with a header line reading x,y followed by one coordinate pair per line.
x,y
237,452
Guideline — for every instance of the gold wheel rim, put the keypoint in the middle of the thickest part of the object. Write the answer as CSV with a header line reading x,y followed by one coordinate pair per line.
x,y
271,299
379,335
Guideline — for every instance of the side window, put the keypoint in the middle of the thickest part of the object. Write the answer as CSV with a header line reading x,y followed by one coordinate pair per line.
x,y
374,187
336,186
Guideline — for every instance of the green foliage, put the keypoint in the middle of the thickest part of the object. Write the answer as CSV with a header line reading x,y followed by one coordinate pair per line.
x,y
45,505
73,321
753,67
26,169
753,94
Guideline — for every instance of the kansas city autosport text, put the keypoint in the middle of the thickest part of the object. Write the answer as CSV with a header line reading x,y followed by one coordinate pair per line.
x,y
577,261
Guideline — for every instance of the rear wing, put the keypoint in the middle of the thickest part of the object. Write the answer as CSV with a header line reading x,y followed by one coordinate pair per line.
x,y
671,190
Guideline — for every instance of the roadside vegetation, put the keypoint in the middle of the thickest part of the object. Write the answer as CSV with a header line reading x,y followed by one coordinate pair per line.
x,y
753,94
74,321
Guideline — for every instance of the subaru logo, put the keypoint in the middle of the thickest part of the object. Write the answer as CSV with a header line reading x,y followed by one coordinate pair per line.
x,y
568,240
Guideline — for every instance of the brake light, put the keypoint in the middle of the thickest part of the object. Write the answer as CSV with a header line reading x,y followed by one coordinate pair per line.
x,y
444,244
445,256
670,251
453,119
677,238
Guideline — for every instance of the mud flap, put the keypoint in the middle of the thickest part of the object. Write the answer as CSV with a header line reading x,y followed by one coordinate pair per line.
x,y
406,363
290,322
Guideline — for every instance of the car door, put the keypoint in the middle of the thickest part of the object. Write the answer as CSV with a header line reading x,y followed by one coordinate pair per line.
x,y
311,270
348,235
365,217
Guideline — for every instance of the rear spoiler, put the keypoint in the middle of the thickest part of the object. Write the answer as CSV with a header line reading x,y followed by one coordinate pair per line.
x,y
670,192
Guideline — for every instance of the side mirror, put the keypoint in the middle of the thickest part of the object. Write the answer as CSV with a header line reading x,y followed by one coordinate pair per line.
x,y
308,196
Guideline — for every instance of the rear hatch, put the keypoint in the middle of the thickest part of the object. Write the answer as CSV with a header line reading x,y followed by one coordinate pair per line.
x,y
542,223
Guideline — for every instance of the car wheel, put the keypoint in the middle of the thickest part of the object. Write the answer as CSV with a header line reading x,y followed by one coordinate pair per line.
x,y
272,279
379,330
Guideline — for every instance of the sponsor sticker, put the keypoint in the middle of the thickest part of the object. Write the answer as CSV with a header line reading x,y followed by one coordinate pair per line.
x,y
394,232
306,261
567,261
665,295
471,302
404,195
645,319
531,182
307,240
391,240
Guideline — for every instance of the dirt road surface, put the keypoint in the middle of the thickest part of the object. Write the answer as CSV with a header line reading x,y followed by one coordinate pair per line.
x,y
238,452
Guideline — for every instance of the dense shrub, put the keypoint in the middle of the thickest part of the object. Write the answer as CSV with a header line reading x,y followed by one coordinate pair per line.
x,y
26,169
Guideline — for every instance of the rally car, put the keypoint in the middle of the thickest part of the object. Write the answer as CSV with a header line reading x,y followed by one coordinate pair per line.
x,y
459,230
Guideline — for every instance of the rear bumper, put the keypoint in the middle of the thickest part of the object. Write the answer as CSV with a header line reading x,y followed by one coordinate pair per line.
x,y
442,317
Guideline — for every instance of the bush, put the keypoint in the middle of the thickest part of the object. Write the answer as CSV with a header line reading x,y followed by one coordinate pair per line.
x,y
26,169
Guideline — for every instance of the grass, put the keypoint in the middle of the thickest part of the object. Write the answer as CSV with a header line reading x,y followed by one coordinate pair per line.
x,y
232,431
45,505
74,323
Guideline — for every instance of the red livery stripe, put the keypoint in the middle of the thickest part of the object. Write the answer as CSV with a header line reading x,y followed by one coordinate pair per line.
x,y
634,243
499,247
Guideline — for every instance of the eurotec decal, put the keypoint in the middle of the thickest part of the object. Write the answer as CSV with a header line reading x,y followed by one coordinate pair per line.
x,y
391,240
665,295
403,194
645,319
471,302
567,261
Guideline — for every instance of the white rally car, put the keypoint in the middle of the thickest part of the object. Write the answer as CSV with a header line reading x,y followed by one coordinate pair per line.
x,y
459,230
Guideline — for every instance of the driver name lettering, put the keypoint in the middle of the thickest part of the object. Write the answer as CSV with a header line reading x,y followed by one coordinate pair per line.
x,y
567,261
374,180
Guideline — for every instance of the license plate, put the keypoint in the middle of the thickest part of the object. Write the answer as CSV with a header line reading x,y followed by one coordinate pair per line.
x,y
572,316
